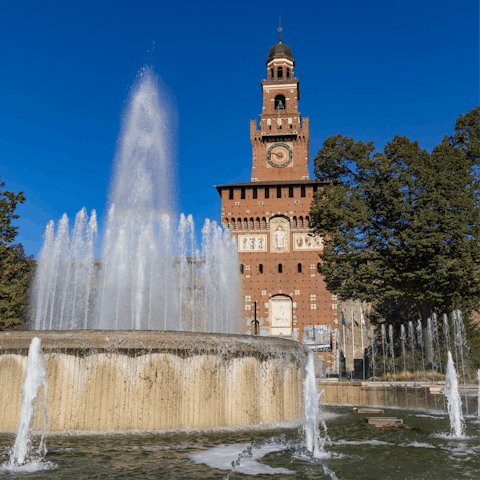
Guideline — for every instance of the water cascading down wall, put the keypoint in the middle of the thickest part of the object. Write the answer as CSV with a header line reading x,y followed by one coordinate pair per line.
x,y
137,380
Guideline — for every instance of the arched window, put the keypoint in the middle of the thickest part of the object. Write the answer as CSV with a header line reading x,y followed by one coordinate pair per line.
x,y
300,220
280,102
299,268
260,268
258,224
295,224
307,222
239,223
241,268
280,73
271,74
280,268
288,74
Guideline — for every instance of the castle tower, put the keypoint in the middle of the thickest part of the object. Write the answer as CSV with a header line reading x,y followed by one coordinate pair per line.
x,y
281,143
269,216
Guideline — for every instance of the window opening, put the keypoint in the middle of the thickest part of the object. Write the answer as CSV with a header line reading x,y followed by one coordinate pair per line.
x,y
260,268
279,102
254,192
280,73
280,268
279,192
243,193
299,268
230,194
290,192
241,268
267,192
303,190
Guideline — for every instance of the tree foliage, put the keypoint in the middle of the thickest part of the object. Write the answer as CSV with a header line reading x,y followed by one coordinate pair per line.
x,y
402,226
15,267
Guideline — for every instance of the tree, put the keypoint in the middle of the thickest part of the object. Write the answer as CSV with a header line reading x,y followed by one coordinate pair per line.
x,y
15,267
401,227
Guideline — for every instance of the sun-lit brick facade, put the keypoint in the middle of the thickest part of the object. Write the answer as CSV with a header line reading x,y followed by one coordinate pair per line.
x,y
270,218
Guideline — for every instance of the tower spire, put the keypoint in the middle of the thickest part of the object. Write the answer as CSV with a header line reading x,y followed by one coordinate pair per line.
x,y
280,29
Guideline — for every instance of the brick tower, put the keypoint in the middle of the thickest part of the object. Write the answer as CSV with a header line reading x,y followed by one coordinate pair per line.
x,y
270,218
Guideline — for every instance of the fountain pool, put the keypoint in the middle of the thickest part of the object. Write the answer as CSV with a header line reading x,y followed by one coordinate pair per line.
x,y
357,451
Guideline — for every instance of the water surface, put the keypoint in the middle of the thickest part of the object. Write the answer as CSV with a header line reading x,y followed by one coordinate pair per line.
x,y
357,451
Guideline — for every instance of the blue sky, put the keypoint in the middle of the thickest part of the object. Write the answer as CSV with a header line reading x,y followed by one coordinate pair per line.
x,y
368,70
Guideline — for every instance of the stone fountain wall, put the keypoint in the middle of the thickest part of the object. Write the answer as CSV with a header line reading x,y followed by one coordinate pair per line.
x,y
141,380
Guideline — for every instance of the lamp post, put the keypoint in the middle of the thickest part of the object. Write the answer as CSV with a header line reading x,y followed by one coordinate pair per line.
x,y
255,321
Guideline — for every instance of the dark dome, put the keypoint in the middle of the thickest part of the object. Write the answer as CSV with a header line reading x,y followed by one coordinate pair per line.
x,y
280,50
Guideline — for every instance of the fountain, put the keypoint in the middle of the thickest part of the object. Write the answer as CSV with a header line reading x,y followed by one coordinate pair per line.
x,y
145,337
152,275
420,353
452,393
24,458
311,398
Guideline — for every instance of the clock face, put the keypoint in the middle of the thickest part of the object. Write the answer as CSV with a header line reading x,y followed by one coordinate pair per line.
x,y
279,155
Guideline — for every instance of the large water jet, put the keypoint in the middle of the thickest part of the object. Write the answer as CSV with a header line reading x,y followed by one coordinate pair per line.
x,y
152,275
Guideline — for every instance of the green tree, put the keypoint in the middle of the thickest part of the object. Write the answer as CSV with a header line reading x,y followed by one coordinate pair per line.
x,y
401,227
15,267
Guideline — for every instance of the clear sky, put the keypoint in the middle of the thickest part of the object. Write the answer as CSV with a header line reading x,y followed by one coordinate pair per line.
x,y
368,70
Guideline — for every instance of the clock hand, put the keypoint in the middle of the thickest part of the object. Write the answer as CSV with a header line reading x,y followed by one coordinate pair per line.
x,y
277,154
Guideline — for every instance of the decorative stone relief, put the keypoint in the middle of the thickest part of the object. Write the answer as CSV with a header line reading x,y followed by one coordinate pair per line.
x,y
302,241
252,243
279,235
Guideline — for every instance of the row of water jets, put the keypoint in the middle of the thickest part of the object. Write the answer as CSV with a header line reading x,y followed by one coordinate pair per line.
x,y
413,340
421,349
25,457
152,276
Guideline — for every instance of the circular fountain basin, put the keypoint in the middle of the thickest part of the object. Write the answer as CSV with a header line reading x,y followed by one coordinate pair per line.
x,y
101,381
